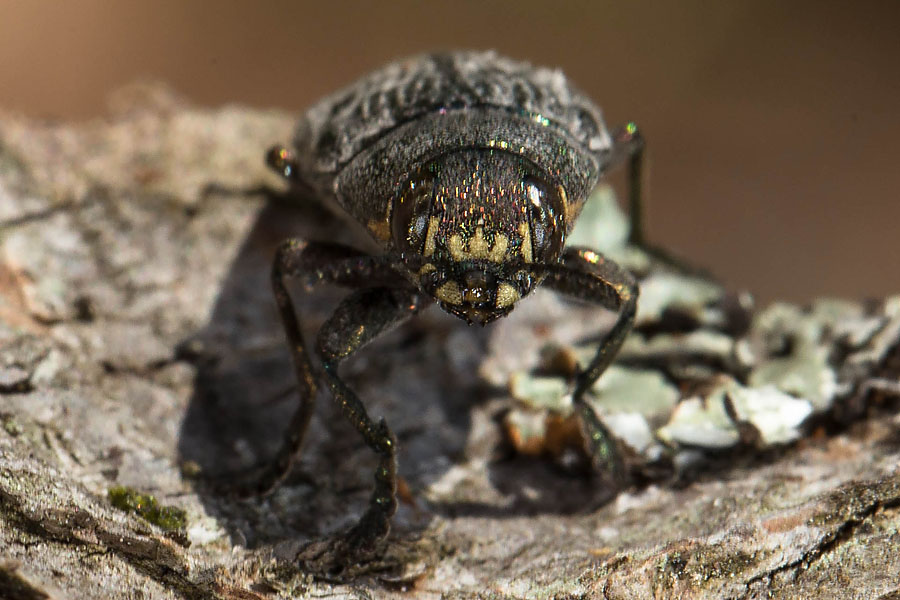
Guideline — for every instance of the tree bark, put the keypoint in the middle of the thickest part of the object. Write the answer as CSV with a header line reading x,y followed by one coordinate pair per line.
x,y
140,352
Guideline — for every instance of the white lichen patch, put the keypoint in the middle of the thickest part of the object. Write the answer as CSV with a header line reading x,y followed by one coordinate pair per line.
x,y
805,375
803,369
623,390
882,340
775,415
540,392
204,530
633,429
671,291
705,421
700,343
700,422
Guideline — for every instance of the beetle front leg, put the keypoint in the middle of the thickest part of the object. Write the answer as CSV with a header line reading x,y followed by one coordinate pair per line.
x,y
590,276
312,263
358,320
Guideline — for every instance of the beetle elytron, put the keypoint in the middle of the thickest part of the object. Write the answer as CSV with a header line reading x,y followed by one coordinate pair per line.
x,y
469,169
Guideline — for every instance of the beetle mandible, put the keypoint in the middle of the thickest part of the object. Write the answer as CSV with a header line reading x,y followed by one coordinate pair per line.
x,y
469,169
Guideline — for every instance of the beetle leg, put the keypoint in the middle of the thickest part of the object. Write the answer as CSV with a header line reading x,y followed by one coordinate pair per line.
x,y
628,145
313,263
360,318
590,276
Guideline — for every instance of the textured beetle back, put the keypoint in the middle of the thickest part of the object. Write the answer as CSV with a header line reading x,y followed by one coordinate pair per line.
x,y
346,123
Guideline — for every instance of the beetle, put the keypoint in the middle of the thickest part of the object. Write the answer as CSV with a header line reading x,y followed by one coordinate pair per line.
x,y
469,169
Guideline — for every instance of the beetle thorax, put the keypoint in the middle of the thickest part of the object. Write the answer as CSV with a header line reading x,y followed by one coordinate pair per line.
x,y
469,225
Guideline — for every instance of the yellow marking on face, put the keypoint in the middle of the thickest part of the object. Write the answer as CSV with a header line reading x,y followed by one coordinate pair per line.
x,y
455,245
498,252
478,247
449,293
380,228
433,223
506,295
525,232
427,268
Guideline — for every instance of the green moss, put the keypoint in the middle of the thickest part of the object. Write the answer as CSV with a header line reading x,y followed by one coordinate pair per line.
x,y
167,518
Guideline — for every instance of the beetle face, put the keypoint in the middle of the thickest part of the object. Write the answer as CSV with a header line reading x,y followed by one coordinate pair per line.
x,y
469,224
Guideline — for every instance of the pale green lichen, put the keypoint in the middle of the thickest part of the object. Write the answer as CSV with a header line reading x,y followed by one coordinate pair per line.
x,y
602,225
549,393
709,422
672,291
701,370
775,415
700,422
641,391
804,370
703,343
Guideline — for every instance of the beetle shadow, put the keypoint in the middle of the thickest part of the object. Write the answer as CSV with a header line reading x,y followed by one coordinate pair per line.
x,y
244,393
422,377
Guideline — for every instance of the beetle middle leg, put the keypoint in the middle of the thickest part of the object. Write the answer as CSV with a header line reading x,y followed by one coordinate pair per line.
x,y
312,264
358,319
590,276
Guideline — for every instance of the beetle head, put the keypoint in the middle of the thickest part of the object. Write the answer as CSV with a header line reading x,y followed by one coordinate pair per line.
x,y
470,223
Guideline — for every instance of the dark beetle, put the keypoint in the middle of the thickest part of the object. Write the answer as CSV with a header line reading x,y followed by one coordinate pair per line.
x,y
469,169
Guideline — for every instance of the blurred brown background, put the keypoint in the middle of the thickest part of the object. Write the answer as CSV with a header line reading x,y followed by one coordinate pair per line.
x,y
774,127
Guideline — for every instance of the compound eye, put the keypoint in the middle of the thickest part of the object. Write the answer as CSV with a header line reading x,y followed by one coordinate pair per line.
x,y
546,215
412,209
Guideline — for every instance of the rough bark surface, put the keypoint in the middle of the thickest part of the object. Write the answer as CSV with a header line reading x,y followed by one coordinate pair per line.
x,y
139,347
